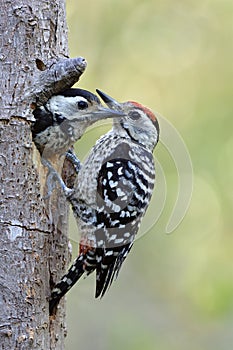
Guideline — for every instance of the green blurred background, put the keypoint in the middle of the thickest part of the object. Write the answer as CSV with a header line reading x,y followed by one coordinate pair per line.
x,y
175,292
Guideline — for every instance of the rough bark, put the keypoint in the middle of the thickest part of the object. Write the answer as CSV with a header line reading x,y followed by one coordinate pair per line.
x,y
33,231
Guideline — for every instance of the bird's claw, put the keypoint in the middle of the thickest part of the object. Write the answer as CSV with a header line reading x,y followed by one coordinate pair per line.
x,y
52,178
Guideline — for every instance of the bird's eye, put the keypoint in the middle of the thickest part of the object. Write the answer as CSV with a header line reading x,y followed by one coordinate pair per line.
x,y
82,105
134,115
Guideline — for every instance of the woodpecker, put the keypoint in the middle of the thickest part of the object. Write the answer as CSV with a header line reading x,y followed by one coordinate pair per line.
x,y
64,118
111,195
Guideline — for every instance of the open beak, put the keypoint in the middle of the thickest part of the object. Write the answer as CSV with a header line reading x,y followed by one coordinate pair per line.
x,y
110,102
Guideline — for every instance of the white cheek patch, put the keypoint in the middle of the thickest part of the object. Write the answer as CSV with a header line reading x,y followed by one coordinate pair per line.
x,y
66,106
143,129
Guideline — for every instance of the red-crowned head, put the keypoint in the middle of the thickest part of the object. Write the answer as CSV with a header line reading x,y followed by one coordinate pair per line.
x,y
139,122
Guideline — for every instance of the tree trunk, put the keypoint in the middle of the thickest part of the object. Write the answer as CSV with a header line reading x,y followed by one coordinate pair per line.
x,y
33,231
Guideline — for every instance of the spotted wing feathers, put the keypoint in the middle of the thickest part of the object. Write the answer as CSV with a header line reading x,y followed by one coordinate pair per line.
x,y
122,196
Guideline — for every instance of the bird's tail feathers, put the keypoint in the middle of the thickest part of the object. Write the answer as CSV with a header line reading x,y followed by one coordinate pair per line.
x,y
67,281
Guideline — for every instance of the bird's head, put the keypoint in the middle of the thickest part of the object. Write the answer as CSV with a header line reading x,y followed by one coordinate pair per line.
x,y
138,122
79,105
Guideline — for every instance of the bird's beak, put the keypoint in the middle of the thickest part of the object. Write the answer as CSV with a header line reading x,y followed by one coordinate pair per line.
x,y
104,113
110,102
98,114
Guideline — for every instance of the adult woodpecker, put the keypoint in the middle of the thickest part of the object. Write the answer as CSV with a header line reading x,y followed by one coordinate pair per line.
x,y
111,195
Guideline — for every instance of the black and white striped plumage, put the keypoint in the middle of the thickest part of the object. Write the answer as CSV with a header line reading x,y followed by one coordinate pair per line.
x,y
111,195
64,118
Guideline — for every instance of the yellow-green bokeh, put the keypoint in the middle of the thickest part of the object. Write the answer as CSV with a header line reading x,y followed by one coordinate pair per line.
x,y
174,291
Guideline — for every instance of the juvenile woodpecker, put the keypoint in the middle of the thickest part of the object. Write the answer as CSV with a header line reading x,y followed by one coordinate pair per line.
x,y
64,119
111,195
